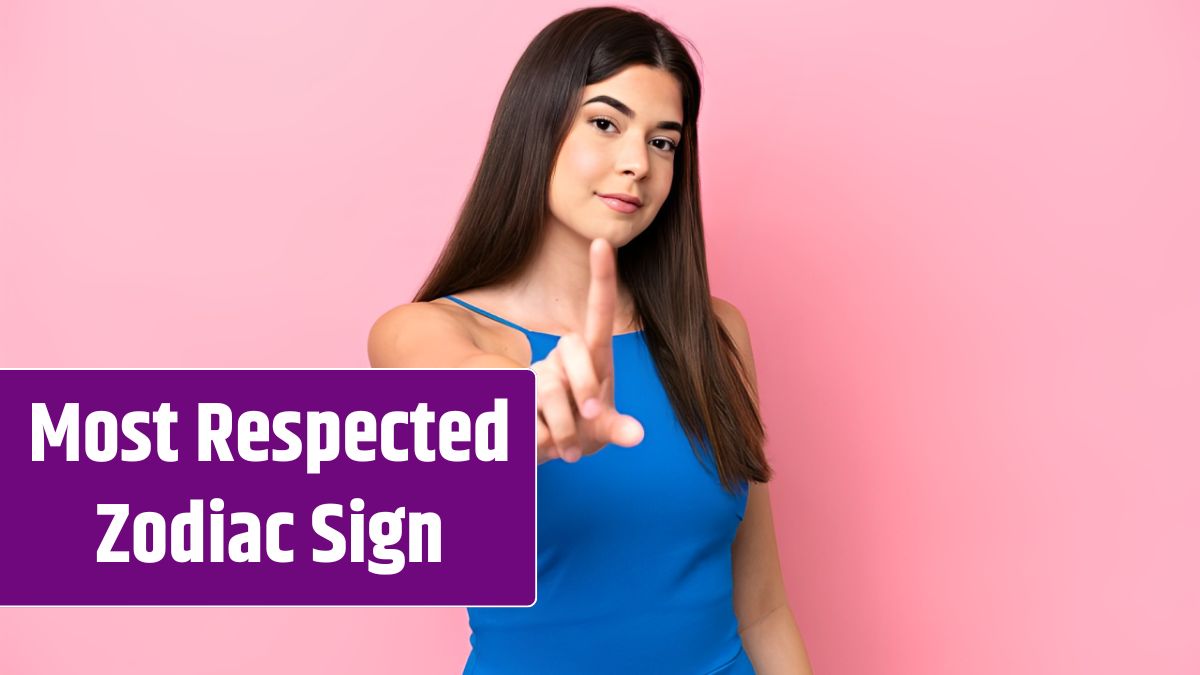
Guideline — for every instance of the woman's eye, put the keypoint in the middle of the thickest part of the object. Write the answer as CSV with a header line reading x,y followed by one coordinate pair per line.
x,y
667,144
602,124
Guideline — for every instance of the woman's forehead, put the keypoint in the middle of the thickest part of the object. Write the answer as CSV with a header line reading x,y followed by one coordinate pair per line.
x,y
644,90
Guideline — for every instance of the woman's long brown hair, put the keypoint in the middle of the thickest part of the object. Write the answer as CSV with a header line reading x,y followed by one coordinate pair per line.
x,y
664,268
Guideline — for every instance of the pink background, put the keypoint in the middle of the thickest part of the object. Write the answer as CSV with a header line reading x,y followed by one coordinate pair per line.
x,y
965,237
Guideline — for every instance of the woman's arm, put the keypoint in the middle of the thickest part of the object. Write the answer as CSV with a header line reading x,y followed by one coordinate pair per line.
x,y
575,409
765,622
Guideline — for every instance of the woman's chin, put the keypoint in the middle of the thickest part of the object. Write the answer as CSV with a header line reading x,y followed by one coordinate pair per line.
x,y
616,231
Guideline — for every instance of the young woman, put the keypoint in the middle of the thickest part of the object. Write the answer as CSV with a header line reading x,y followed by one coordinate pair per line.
x,y
656,546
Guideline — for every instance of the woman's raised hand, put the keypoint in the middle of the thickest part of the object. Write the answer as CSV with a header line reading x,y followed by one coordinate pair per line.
x,y
576,416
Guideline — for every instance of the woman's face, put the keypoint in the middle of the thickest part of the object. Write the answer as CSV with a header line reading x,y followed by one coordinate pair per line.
x,y
622,142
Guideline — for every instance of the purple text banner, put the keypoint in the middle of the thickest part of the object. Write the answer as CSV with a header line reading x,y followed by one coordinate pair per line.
x,y
268,487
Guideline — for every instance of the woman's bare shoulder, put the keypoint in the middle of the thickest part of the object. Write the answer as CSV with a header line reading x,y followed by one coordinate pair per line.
x,y
421,335
735,324
732,320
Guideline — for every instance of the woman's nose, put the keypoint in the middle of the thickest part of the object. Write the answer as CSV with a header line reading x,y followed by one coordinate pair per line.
x,y
634,158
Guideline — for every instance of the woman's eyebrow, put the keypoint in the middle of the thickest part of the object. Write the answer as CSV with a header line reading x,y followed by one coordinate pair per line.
x,y
628,112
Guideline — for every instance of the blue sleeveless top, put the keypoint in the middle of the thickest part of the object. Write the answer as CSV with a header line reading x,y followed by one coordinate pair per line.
x,y
634,551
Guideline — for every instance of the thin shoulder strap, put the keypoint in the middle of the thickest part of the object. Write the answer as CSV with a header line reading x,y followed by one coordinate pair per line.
x,y
486,313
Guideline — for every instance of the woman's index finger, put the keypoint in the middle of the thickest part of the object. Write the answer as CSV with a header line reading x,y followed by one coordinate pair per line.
x,y
601,302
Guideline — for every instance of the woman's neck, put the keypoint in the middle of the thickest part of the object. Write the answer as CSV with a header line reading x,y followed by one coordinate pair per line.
x,y
552,290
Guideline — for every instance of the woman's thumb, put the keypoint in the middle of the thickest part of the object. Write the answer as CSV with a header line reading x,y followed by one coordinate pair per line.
x,y
624,430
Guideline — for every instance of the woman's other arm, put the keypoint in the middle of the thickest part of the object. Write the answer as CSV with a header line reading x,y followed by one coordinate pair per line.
x,y
765,621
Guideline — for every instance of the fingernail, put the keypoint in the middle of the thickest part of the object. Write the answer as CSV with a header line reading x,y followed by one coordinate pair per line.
x,y
591,408
572,454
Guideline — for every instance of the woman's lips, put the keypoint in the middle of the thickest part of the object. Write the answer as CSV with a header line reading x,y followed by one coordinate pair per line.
x,y
618,205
